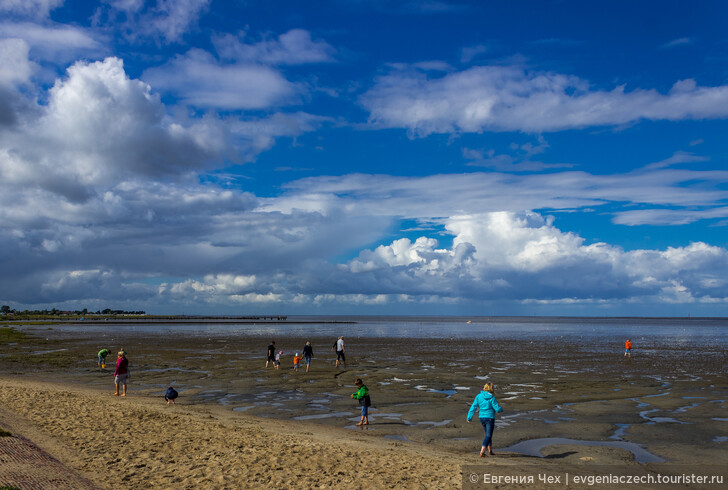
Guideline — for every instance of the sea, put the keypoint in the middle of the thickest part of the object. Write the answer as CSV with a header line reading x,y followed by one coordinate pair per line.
x,y
696,331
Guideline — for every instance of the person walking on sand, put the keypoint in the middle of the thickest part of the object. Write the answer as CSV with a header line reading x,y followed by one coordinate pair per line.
x,y
628,348
121,373
277,361
340,356
171,395
102,357
362,394
487,407
271,353
307,354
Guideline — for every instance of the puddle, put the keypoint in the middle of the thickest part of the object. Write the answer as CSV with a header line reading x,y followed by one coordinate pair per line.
x,y
242,409
720,419
392,416
449,393
654,396
40,352
323,415
358,427
658,420
621,430
397,437
435,424
179,370
720,439
534,446
686,408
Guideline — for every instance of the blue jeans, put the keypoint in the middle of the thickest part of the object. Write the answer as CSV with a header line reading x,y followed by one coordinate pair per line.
x,y
488,425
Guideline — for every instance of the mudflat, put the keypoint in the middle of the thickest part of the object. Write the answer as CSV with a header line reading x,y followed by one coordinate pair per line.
x,y
569,406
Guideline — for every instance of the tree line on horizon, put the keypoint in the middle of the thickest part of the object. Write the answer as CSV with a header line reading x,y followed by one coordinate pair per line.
x,y
6,310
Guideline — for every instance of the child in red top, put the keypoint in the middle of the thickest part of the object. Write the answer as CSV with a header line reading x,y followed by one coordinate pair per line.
x,y
628,348
296,360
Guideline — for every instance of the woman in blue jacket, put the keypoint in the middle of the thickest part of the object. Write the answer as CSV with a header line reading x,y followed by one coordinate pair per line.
x,y
487,407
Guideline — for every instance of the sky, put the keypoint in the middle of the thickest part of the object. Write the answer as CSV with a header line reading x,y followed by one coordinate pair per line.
x,y
365,157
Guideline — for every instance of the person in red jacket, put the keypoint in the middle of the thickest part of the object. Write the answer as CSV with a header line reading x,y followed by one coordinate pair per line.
x,y
121,373
628,348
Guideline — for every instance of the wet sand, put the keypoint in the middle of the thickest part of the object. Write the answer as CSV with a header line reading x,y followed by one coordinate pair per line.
x,y
238,424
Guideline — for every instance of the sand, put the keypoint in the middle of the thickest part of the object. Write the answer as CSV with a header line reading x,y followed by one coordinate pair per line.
x,y
239,425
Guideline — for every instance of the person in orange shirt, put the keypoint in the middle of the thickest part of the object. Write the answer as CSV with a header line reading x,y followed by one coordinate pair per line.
x,y
296,361
628,348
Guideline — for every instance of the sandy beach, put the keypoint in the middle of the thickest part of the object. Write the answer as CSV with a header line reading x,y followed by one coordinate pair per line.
x,y
567,408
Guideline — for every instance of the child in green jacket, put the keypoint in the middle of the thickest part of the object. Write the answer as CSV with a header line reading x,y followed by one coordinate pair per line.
x,y
362,394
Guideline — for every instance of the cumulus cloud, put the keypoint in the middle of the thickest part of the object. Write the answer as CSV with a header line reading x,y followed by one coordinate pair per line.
x,y
510,98
524,257
15,68
197,78
99,127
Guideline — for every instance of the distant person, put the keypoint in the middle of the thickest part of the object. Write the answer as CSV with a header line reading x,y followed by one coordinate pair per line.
x,y
271,354
362,394
340,356
277,361
307,354
171,395
296,361
102,357
628,348
487,407
121,373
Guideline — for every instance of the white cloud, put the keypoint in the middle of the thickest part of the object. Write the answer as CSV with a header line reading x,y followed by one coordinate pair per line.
x,y
455,194
667,217
15,68
56,43
30,8
507,163
99,127
677,158
509,98
200,80
294,47
260,134
682,41
167,20
471,52
174,17
524,257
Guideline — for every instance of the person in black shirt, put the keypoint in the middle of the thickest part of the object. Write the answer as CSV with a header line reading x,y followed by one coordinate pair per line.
x,y
271,353
307,354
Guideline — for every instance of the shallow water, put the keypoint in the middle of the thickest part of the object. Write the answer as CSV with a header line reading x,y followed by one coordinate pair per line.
x,y
533,447
579,332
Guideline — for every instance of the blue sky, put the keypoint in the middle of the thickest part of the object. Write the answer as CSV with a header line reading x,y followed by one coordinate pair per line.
x,y
364,157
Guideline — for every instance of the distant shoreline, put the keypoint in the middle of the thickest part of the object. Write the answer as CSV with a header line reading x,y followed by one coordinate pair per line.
x,y
344,319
